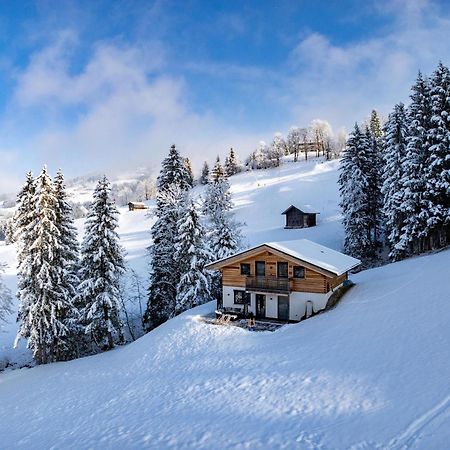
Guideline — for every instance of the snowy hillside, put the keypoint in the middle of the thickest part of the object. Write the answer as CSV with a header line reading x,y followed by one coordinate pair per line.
x,y
371,374
260,197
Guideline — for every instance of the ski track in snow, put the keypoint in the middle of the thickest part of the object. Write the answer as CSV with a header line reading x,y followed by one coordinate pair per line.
x,y
408,437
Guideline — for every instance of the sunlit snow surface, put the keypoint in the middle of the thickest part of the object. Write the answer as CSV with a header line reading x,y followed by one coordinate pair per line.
x,y
374,373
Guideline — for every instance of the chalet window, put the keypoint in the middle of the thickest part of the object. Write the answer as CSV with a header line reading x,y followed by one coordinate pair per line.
x,y
299,272
241,298
245,269
260,269
282,270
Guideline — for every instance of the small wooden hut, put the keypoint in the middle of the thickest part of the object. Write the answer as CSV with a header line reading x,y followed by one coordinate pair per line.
x,y
297,218
132,206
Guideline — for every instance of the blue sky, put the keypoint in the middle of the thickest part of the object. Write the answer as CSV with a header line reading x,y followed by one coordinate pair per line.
x,y
109,85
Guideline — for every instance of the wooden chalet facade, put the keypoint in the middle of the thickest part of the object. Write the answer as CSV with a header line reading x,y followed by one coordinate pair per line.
x,y
296,218
286,281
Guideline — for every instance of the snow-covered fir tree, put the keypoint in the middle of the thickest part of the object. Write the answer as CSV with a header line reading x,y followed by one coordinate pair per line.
x,y
9,230
395,135
5,298
414,182
43,308
376,129
189,172
102,265
218,172
223,230
232,165
67,260
23,216
354,188
204,177
164,273
192,254
372,168
174,171
438,170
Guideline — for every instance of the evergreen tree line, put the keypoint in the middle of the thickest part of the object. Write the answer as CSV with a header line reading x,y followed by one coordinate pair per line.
x,y
395,180
68,295
188,233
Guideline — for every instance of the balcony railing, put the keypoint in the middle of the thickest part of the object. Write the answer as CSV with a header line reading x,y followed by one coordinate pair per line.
x,y
267,284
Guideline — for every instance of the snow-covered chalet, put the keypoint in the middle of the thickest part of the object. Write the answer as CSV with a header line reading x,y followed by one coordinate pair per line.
x,y
286,281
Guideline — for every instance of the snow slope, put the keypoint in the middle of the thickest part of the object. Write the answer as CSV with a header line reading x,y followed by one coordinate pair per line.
x,y
371,374
260,197
374,373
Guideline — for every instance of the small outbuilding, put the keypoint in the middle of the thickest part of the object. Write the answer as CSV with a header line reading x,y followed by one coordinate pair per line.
x,y
132,206
299,218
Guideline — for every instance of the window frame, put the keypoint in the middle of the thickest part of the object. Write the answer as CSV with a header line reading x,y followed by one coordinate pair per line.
x,y
297,268
248,265
246,299
256,268
286,264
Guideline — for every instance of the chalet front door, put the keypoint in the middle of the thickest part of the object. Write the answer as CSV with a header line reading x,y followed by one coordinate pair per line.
x,y
260,306
283,307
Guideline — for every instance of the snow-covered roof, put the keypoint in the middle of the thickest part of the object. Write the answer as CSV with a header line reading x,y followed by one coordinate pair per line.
x,y
318,255
310,252
303,208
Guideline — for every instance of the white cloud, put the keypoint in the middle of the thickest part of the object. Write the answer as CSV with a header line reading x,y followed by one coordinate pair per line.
x,y
123,111
118,107
342,83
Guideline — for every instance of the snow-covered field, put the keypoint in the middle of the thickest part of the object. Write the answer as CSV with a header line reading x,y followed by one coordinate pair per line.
x,y
260,198
374,373
371,374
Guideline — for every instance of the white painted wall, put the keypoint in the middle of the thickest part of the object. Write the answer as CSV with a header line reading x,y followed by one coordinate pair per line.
x,y
297,304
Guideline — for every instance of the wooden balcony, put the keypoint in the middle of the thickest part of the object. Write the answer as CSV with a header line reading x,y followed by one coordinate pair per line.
x,y
267,284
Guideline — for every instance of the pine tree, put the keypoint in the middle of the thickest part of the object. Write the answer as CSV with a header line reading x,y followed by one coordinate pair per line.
x,y
375,127
414,204
23,216
5,298
232,166
438,170
165,274
192,255
223,231
43,310
353,187
218,172
394,154
204,178
174,171
372,168
102,265
189,172
66,259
